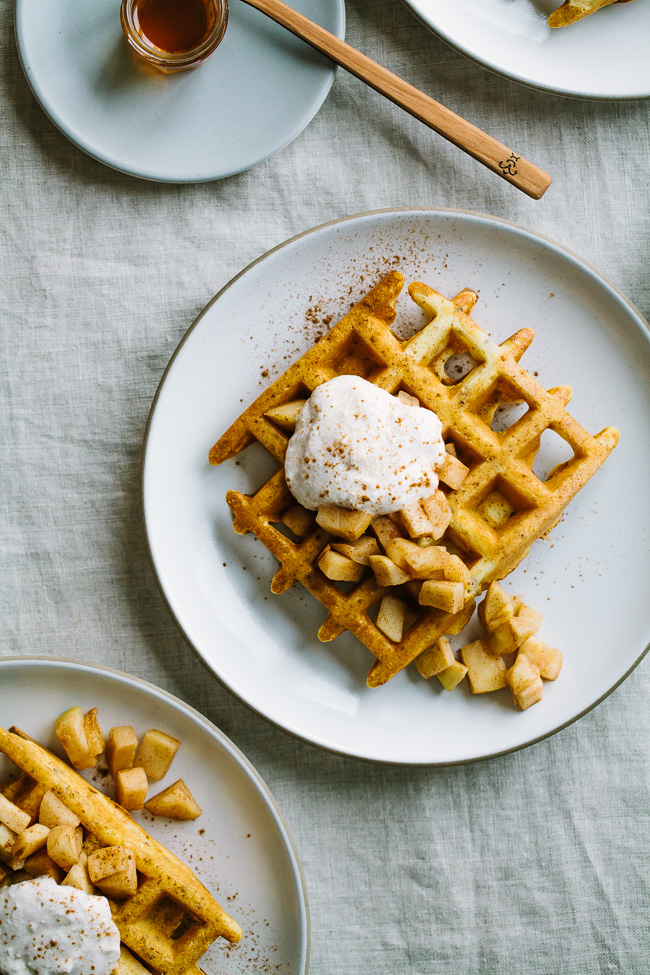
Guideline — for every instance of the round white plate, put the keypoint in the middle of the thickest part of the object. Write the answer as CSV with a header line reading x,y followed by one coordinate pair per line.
x,y
249,100
602,56
590,581
240,847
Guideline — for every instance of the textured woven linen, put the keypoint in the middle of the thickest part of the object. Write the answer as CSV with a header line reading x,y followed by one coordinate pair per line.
x,y
531,864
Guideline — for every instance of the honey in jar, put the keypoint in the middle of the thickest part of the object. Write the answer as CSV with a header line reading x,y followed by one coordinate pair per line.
x,y
174,35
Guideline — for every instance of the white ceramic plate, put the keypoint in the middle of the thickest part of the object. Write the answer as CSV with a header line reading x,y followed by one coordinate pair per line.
x,y
254,96
602,56
264,647
240,847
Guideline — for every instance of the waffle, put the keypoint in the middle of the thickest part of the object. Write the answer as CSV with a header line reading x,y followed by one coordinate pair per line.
x,y
169,901
573,10
500,509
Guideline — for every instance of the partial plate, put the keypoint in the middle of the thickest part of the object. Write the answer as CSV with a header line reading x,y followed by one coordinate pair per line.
x,y
602,56
264,647
249,100
240,847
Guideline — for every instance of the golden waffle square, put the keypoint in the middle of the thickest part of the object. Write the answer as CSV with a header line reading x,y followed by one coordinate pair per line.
x,y
172,919
574,10
501,508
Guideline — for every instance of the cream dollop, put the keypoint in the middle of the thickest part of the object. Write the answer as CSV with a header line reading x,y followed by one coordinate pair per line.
x,y
357,446
50,930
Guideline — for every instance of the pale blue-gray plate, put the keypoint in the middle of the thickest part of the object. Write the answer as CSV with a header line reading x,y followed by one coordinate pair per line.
x,y
256,93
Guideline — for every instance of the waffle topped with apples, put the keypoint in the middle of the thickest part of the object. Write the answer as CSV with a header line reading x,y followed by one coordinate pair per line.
x,y
400,582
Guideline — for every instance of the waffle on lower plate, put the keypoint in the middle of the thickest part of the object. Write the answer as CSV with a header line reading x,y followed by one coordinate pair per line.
x,y
500,509
574,10
172,919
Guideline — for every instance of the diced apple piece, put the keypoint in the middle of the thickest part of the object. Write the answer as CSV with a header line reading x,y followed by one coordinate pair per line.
x,y
286,415
418,562
436,658
455,570
41,864
407,399
7,840
485,672
155,753
495,609
113,870
71,732
386,572
94,734
452,676
175,802
338,567
390,619
460,620
53,812
385,529
436,508
447,596
298,520
509,636
517,603
452,472
525,682
545,658
78,877
13,816
5,874
120,748
64,845
359,551
131,787
531,616
451,449
29,841
342,523
415,521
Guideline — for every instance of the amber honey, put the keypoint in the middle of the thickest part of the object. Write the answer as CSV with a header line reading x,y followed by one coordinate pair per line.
x,y
175,25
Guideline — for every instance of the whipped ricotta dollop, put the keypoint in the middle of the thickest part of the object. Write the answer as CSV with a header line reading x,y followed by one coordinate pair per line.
x,y
46,930
357,446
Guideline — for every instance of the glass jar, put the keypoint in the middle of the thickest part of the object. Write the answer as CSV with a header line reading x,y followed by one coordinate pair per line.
x,y
168,33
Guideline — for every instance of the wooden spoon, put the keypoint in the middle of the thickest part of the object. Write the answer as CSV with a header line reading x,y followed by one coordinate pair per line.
x,y
499,158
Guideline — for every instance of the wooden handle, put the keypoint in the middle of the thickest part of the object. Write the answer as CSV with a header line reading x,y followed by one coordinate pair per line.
x,y
482,147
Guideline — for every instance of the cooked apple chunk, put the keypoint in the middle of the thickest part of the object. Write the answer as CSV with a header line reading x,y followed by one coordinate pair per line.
x,y
94,734
495,609
64,845
452,675
41,864
524,682
7,840
436,658
298,520
415,520
485,672
12,816
131,787
175,802
286,415
386,572
447,596
545,658
342,523
128,965
120,749
156,753
53,812
113,870
29,841
338,567
509,636
79,877
359,551
452,472
385,529
436,508
71,732
407,399
5,874
390,619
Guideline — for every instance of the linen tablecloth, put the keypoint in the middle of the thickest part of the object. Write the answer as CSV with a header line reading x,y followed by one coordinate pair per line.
x,y
536,862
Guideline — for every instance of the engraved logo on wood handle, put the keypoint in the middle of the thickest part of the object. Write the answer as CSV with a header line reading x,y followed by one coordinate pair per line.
x,y
509,167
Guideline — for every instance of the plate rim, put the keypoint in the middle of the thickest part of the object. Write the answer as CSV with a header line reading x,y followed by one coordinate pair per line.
x,y
525,83
121,676
137,172
643,327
